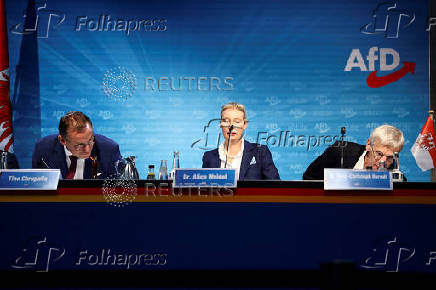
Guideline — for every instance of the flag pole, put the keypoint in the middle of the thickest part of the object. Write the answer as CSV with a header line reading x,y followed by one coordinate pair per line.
x,y
433,170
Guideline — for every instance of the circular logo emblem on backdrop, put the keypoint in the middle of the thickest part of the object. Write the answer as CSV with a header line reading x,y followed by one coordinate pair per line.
x,y
119,83
119,192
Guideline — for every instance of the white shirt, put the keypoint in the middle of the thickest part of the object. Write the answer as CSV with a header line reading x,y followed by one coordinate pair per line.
x,y
80,164
361,162
236,163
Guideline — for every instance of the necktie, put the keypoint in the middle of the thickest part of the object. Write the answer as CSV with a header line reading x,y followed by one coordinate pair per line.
x,y
72,170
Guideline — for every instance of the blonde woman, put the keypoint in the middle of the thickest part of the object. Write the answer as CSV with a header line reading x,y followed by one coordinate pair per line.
x,y
251,161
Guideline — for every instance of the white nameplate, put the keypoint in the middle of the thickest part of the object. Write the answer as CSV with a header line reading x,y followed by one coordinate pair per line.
x,y
350,179
29,179
205,177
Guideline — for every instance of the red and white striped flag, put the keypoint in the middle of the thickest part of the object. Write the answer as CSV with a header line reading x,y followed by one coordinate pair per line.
x,y
424,149
6,136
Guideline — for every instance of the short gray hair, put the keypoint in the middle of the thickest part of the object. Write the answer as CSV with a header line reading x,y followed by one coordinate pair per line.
x,y
388,135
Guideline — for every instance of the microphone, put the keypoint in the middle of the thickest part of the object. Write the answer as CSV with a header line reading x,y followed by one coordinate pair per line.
x,y
231,129
43,161
342,146
228,144
397,175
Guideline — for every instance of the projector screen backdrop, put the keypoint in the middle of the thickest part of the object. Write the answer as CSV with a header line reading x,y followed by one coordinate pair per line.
x,y
152,75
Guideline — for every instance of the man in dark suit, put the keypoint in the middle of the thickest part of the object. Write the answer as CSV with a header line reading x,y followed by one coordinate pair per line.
x,y
252,161
76,150
256,162
378,151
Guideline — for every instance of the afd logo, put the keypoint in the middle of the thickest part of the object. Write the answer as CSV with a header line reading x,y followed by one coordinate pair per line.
x,y
388,254
38,255
388,60
387,19
39,20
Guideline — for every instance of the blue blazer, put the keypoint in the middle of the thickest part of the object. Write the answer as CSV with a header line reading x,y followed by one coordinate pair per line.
x,y
51,151
256,162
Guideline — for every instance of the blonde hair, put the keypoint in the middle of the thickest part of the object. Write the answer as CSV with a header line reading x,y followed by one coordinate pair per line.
x,y
388,135
236,106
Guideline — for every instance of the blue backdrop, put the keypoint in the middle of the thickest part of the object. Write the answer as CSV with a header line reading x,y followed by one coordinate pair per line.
x,y
152,75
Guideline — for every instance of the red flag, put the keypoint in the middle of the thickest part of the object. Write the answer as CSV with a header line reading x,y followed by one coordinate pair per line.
x,y
424,149
6,137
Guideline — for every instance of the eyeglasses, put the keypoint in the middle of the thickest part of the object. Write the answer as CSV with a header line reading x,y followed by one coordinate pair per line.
x,y
379,155
235,122
83,145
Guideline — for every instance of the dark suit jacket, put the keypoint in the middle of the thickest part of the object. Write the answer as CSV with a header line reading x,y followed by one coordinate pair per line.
x,y
262,167
51,151
331,158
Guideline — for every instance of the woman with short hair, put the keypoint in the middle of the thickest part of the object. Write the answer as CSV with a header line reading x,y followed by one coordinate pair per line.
x,y
251,161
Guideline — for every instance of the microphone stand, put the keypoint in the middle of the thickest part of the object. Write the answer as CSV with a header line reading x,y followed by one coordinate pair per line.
x,y
342,146
43,161
228,144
